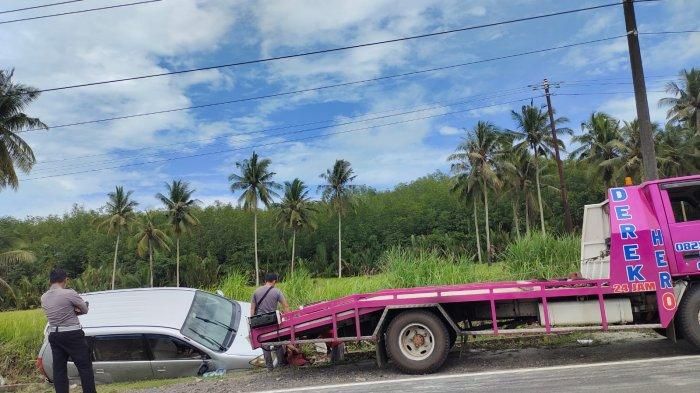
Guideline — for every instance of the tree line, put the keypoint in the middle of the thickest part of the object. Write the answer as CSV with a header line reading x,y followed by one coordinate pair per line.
x,y
502,180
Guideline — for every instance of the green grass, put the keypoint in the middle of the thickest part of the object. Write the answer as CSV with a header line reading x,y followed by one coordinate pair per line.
x,y
21,335
538,256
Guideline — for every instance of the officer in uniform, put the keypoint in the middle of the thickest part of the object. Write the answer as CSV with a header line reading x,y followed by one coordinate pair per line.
x,y
62,307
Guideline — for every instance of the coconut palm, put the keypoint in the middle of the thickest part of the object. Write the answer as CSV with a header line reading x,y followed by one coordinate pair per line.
x,y
678,154
479,152
120,211
534,132
600,142
150,238
338,192
179,204
628,162
295,211
14,151
685,103
255,180
467,186
13,251
518,176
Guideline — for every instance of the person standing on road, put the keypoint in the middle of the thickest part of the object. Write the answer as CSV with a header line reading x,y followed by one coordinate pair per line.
x,y
62,307
265,300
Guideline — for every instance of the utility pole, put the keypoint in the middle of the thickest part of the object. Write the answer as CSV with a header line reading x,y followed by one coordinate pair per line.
x,y
640,93
560,169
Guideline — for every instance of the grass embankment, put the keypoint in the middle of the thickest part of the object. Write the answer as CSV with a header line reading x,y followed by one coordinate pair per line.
x,y
20,339
536,256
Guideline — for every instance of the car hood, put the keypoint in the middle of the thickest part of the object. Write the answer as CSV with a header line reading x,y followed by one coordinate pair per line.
x,y
241,344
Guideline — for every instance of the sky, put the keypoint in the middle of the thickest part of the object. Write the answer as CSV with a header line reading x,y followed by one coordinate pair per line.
x,y
303,134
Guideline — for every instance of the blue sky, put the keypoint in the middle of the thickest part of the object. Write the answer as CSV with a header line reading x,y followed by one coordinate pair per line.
x,y
177,34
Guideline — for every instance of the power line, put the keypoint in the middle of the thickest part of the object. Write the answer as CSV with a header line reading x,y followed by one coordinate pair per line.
x,y
78,12
330,50
40,6
275,142
77,165
435,104
668,32
387,77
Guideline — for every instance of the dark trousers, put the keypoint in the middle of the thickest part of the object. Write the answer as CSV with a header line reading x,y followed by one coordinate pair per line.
x,y
279,352
65,345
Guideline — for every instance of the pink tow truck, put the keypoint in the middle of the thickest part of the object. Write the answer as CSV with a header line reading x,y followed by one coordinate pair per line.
x,y
640,268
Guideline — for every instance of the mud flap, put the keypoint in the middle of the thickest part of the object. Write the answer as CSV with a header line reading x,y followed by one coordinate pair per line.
x,y
381,355
671,331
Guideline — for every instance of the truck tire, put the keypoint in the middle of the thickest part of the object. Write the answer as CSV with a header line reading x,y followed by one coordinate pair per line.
x,y
689,316
418,342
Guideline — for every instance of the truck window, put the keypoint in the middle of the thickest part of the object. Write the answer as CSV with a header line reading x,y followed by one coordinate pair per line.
x,y
170,348
119,348
685,201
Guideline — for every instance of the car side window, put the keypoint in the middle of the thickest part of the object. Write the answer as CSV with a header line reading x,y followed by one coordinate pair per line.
x,y
171,348
119,348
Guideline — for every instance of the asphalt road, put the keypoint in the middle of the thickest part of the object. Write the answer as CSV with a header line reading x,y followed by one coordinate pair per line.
x,y
678,374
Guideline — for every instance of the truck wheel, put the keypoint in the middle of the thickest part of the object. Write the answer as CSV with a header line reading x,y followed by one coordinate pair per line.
x,y
418,342
689,315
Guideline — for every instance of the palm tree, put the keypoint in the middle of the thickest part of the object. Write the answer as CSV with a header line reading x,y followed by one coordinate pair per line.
x,y
296,210
179,204
337,191
518,176
600,143
467,187
14,151
13,251
685,103
150,238
479,153
255,180
120,208
678,151
534,132
629,161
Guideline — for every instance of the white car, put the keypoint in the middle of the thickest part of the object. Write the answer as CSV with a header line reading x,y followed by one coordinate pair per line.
x,y
160,333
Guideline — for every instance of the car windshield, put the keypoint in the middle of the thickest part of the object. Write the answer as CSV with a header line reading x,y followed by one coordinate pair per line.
x,y
212,321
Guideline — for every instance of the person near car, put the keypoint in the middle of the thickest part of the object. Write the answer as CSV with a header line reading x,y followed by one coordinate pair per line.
x,y
265,300
62,307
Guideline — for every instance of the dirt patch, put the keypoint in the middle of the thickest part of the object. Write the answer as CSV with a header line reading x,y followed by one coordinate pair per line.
x,y
479,355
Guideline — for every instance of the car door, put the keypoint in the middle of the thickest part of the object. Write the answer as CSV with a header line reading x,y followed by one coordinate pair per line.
x,y
682,204
173,358
120,357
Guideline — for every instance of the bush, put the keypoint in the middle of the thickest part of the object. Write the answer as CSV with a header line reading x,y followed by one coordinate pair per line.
x,y
542,256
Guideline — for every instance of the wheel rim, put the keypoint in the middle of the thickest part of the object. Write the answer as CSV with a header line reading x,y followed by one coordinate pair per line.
x,y
416,341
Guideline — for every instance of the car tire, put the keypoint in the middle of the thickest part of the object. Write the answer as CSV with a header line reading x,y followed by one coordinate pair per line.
x,y
418,342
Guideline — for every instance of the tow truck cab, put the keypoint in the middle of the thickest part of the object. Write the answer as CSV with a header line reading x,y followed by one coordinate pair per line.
x,y
646,238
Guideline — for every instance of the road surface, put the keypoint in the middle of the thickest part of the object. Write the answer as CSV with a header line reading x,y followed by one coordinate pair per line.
x,y
675,374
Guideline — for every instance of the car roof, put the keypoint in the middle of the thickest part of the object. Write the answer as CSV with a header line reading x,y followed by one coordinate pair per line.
x,y
162,307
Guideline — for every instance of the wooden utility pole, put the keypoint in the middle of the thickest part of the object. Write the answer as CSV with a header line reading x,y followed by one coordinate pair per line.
x,y
560,168
640,93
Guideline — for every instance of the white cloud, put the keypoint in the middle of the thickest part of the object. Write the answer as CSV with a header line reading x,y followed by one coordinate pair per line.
x,y
624,107
449,130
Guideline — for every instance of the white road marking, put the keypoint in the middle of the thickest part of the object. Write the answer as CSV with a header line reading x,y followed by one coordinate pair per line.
x,y
484,373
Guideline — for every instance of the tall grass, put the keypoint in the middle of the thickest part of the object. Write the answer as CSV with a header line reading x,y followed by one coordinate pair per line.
x,y
21,335
407,268
542,256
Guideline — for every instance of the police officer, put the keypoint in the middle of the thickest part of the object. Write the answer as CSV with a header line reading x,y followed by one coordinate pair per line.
x,y
62,307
